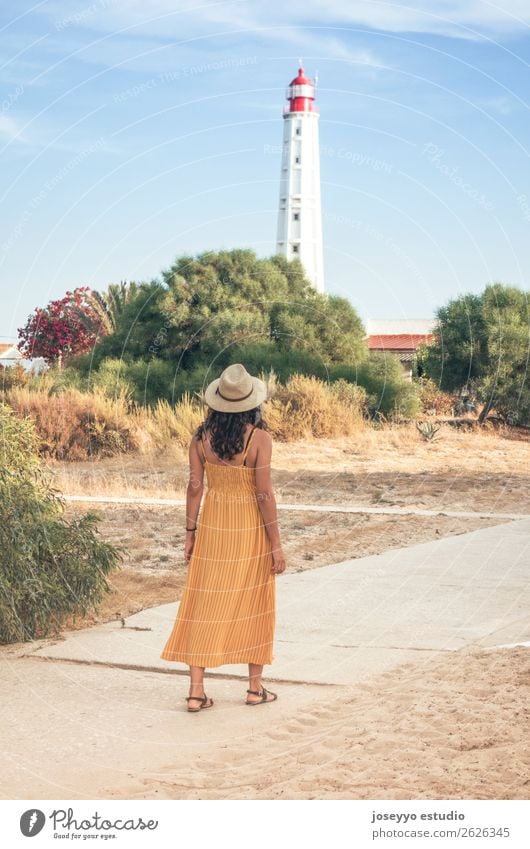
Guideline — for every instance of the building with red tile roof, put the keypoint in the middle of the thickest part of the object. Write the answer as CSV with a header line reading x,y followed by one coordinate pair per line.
x,y
399,337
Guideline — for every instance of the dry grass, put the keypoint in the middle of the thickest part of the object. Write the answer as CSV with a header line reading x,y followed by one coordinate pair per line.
x,y
308,407
166,425
314,470
74,425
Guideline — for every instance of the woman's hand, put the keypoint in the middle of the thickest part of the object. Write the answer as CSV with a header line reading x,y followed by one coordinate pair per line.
x,y
188,545
278,565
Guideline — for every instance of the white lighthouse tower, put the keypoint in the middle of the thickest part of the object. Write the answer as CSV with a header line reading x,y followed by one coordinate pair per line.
x,y
300,215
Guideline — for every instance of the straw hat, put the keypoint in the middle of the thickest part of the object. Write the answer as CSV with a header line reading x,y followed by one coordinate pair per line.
x,y
235,391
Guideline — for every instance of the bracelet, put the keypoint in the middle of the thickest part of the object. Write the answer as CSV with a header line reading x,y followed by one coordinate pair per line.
x,y
192,529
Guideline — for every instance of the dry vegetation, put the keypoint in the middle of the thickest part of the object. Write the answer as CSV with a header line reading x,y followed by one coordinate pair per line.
x,y
75,425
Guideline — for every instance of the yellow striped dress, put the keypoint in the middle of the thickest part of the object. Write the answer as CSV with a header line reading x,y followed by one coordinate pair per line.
x,y
228,607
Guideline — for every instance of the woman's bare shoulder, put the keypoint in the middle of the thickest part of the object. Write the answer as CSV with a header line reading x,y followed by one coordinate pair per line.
x,y
263,441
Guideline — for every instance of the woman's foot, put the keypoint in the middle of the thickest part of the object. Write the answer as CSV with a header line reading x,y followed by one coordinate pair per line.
x,y
196,703
255,695
197,699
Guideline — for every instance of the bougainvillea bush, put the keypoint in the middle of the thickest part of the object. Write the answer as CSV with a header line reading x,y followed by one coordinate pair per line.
x,y
49,568
64,328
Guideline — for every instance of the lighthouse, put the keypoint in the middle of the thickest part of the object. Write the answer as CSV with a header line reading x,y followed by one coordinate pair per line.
x,y
300,214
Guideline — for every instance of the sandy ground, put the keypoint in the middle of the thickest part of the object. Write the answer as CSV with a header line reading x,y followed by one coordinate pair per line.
x,y
453,727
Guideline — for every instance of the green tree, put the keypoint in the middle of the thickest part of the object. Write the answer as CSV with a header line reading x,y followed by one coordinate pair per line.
x,y
482,344
171,335
505,383
207,304
459,351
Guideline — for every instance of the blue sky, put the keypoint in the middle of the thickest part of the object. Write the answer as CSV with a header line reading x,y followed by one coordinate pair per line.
x,y
133,132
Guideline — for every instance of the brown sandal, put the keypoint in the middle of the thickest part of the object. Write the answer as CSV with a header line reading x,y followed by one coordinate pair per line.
x,y
263,695
204,699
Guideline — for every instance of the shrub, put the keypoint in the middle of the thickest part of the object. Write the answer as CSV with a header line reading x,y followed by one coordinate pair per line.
x,y
111,379
351,395
432,398
55,379
15,375
389,393
73,425
49,568
306,406
259,356
150,379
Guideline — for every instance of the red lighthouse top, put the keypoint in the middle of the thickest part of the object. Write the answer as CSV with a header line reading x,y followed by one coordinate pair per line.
x,y
301,94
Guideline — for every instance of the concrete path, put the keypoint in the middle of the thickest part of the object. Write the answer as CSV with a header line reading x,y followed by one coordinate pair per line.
x,y
341,623
312,508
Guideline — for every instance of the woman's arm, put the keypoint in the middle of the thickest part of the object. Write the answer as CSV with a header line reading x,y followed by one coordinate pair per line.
x,y
193,495
267,500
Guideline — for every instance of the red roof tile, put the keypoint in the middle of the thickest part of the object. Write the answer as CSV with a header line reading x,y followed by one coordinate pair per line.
x,y
399,342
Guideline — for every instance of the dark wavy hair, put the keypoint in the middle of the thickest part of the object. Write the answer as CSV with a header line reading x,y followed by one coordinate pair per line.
x,y
226,430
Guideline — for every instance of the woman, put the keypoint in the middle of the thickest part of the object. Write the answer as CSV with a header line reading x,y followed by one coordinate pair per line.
x,y
228,607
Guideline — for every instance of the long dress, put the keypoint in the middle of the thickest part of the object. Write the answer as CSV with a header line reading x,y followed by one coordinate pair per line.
x,y
228,607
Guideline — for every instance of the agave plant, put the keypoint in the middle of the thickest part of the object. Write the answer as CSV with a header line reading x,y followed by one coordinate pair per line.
x,y
428,430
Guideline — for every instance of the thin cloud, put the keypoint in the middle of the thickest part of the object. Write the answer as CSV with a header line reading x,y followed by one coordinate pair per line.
x,y
315,43
463,19
501,105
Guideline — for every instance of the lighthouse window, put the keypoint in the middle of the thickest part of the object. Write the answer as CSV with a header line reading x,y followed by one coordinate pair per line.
x,y
295,249
297,160
298,131
296,216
